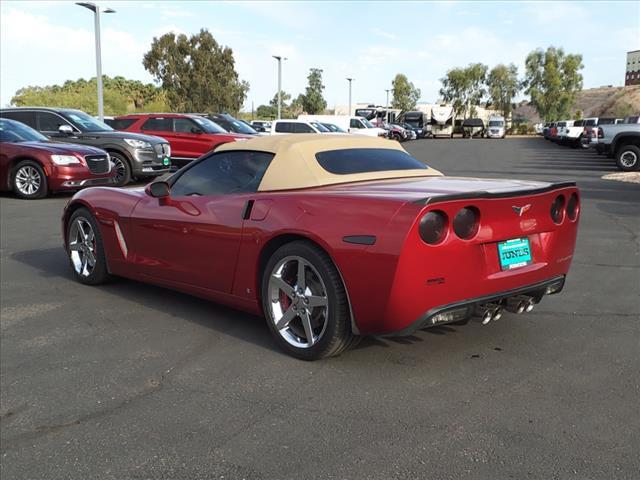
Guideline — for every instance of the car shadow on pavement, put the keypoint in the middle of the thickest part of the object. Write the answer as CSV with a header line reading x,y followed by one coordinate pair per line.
x,y
52,262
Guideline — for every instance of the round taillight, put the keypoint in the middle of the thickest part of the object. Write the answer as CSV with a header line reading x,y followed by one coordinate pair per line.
x,y
466,222
573,207
433,227
557,209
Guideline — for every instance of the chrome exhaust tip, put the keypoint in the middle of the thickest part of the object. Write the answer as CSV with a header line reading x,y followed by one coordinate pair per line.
x,y
488,312
520,304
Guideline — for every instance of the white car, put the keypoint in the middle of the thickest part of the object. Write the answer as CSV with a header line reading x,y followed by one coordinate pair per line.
x,y
284,127
496,128
355,125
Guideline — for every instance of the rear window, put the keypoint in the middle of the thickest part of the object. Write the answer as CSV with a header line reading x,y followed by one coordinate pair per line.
x,y
120,123
363,160
159,124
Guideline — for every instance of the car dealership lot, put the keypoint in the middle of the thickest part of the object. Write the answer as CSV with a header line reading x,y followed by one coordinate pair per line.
x,y
133,381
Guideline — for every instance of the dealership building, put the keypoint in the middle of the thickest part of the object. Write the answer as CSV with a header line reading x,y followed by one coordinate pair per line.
x,y
633,68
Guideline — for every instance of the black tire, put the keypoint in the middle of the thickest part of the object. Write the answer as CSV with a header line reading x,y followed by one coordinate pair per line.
x,y
337,336
29,181
628,158
122,167
100,273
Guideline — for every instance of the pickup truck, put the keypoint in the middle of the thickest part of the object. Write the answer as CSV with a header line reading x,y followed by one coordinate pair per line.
x,y
620,141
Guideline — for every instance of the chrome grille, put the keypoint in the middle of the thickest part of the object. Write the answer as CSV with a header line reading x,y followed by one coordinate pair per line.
x,y
98,163
162,149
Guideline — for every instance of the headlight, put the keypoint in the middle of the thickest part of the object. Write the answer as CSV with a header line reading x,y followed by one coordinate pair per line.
x,y
64,159
137,143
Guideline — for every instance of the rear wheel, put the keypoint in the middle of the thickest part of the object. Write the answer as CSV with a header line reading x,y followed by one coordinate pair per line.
x,y
628,158
29,181
122,169
305,302
86,249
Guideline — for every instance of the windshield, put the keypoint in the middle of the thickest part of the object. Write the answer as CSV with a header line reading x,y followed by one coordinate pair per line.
x,y
496,123
236,126
86,123
334,128
208,126
16,132
367,122
320,127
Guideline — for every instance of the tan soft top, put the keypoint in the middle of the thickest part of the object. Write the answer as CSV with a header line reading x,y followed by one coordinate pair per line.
x,y
295,166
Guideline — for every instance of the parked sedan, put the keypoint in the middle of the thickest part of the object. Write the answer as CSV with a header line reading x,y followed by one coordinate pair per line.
x,y
189,135
31,165
331,237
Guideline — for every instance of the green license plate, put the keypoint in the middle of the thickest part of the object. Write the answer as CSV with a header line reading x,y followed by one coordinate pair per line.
x,y
514,253
166,161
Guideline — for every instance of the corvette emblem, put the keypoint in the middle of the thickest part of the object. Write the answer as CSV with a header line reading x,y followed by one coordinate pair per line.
x,y
522,209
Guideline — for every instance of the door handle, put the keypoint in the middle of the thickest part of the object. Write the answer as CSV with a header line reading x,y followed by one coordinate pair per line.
x,y
246,211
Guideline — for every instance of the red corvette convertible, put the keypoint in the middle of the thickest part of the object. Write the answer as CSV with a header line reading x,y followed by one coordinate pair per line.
x,y
331,238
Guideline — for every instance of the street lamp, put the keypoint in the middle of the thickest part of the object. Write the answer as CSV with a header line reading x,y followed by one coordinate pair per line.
x,y
350,80
96,15
387,90
279,59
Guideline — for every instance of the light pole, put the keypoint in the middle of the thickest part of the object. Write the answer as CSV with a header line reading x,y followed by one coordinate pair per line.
x,y
350,80
387,90
96,16
279,59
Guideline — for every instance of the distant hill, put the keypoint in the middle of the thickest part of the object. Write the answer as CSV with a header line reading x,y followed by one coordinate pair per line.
x,y
595,102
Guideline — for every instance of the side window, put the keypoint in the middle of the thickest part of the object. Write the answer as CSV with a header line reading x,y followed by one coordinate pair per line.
x,y
120,123
158,124
48,122
28,118
303,128
184,125
284,127
223,173
355,123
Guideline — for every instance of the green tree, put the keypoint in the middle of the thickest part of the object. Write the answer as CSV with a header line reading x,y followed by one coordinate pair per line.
x,y
120,96
552,80
197,73
405,94
503,86
465,88
312,101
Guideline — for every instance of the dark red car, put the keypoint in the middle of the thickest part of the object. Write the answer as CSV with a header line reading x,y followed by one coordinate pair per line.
x,y
31,165
331,237
190,136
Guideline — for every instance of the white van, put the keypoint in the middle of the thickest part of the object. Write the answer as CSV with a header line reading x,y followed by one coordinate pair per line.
x,y
282,127
496,128
355,125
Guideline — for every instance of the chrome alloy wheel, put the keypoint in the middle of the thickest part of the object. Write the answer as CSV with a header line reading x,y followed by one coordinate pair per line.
x,y
82,246
629,159
119,168
298,302
28,180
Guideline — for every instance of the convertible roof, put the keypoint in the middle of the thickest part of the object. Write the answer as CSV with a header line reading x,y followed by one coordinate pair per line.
x,y
295,166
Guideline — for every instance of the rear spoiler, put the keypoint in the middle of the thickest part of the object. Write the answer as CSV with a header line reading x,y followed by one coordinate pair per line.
x,y
484,194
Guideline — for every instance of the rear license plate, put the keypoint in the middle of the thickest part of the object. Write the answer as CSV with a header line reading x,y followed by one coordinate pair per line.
x,y
514,253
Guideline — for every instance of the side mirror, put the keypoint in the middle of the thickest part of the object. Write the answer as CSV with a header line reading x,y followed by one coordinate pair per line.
x,y
195,130
158,189
65,129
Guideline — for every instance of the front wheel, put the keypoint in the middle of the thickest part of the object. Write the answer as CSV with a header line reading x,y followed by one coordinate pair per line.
x,y
305,302
86,249
29,180
122,169
628,158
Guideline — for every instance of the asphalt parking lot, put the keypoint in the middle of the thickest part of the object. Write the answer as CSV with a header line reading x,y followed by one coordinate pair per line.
x,y
130,381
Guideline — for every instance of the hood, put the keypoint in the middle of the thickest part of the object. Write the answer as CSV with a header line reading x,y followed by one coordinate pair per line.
x,y
56,148
418,189
119,135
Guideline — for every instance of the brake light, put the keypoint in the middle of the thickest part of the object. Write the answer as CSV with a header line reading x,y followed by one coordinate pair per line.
x,y
466,222
433,227
573,207
557,209
600,132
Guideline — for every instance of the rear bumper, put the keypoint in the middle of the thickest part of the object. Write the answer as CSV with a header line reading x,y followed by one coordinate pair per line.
x,y
429,318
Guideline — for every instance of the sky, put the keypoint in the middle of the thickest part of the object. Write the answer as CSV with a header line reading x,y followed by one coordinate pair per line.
x,y
49,42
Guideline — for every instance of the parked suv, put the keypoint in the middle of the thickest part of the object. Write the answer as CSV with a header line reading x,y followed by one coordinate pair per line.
x,y
189,135
231,124
133,155
32,165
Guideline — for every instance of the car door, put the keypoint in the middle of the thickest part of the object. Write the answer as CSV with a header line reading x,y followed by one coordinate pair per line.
x,y
193,236
161,126
190,137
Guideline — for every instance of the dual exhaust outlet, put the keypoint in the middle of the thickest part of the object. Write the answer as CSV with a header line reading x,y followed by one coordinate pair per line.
x,y
490,312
